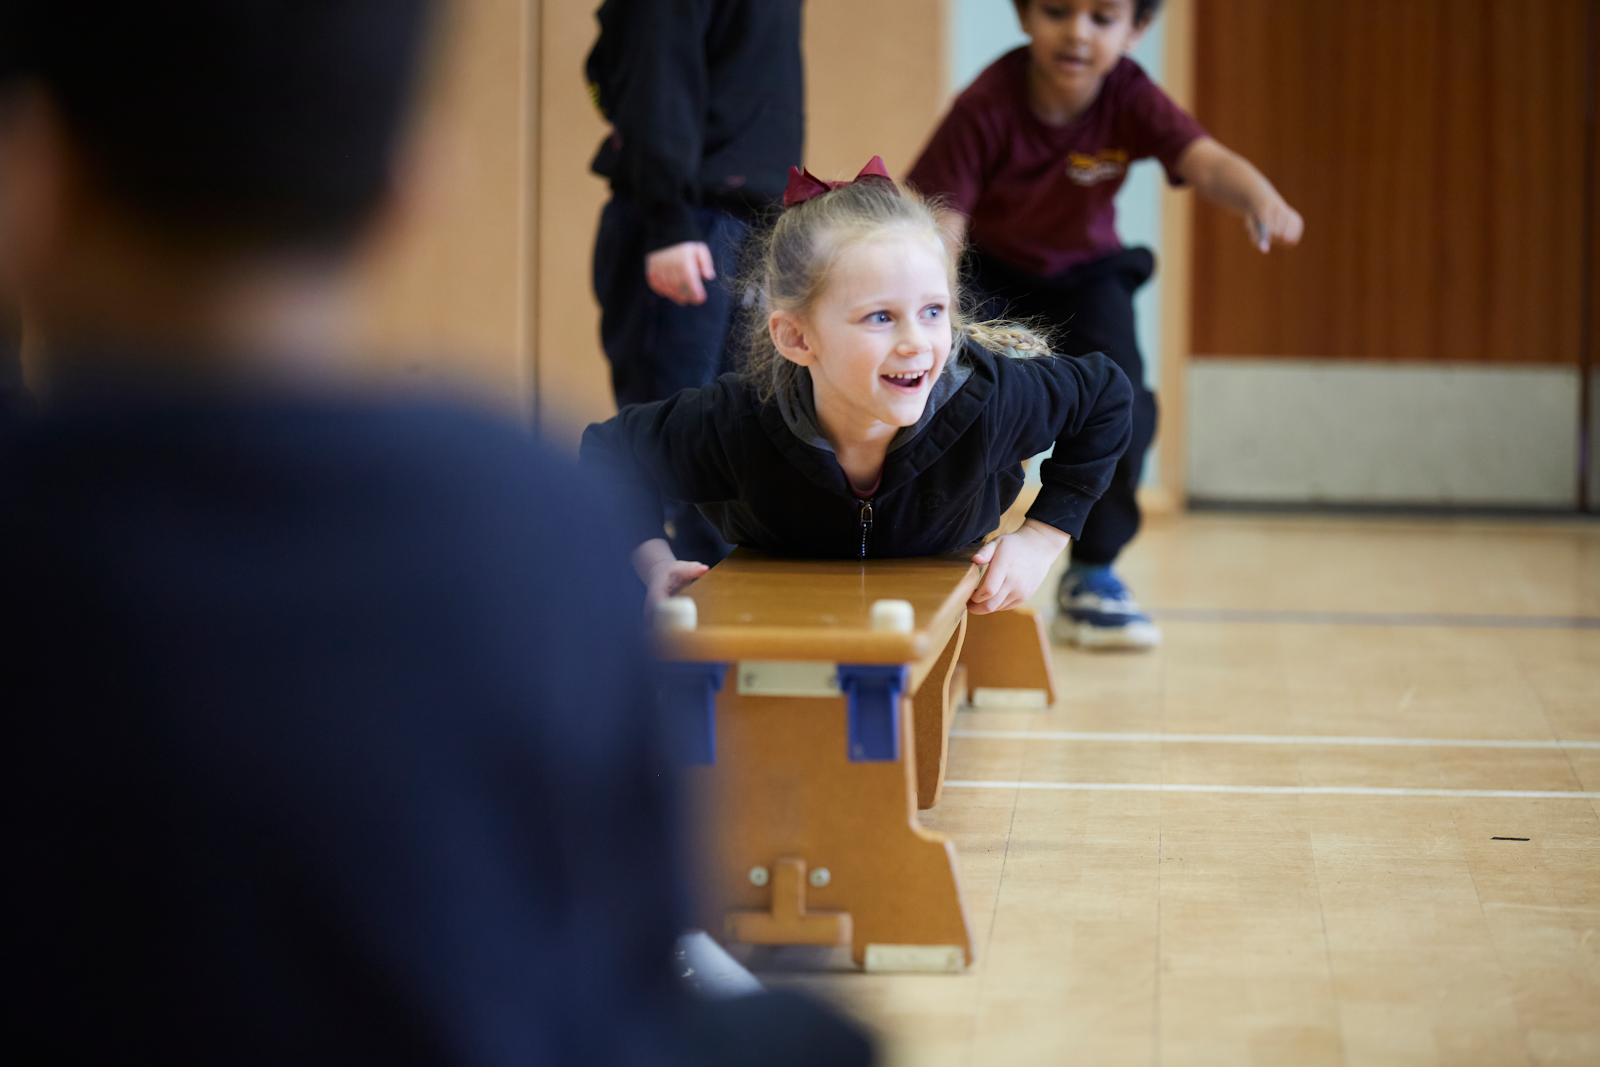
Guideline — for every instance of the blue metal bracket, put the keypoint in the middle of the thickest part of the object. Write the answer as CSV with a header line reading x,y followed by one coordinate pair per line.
x,y
688,696
874,693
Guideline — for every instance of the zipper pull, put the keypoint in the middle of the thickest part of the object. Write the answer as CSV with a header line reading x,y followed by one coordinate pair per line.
x,y
866,525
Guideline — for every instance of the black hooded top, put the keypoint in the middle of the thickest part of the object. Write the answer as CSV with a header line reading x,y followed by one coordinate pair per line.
x,y
945,483
707,101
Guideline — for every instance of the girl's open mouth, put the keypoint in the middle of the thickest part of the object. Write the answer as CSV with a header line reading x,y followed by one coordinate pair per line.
x,y
908,382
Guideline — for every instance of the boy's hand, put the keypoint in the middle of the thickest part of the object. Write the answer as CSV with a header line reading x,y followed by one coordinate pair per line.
x,y
675,271
1227,178
1018,563
1272,219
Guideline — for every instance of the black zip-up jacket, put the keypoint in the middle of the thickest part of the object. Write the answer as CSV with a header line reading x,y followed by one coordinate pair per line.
x,y
706,98
762,486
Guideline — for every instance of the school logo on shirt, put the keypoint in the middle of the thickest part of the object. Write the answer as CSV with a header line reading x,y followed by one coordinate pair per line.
x,y
1104,165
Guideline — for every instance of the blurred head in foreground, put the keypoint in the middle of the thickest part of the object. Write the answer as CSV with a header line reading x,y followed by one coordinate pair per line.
x,y
186,176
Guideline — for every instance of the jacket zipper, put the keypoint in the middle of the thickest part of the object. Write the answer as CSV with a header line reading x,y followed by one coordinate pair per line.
x,y
866,525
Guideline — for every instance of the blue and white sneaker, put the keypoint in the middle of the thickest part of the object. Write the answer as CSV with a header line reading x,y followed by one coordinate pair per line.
x,y
1097,612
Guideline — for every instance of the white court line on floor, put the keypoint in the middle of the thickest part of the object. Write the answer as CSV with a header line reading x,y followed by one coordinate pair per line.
x,y
1292,790
1378,618
1270,739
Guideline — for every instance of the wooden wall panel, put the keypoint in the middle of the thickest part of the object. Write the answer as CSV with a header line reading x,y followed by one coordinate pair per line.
x,y
482,278
875,81
1435,149
443,293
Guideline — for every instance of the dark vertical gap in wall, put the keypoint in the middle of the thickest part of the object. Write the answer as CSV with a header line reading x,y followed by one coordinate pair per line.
x,y
1586,328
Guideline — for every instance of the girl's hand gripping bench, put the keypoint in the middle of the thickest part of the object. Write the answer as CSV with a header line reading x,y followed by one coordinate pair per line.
x,y
814,698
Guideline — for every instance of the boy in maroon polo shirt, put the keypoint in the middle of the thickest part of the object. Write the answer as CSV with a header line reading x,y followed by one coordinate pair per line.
x,y
1030,158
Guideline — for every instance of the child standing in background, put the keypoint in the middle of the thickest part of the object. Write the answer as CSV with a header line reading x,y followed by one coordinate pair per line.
x,y
705,101
1031,156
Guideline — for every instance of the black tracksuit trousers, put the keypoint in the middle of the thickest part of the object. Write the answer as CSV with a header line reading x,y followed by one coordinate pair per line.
x,y
1087,308
656,347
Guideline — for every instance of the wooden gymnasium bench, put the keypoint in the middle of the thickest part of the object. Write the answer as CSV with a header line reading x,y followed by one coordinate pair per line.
x,y
814,698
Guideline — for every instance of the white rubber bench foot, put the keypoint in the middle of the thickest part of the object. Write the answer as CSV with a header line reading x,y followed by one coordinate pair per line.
x,y
677,613
895,616
915,959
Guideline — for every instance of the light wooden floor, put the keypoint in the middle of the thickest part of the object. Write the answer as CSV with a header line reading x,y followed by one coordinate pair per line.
x,y
1283,925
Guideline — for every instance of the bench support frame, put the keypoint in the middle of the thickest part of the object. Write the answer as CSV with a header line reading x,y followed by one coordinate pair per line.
x,y
785,795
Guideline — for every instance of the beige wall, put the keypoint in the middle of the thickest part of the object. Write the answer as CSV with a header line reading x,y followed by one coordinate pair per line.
x,y
875,81
484,279
444,290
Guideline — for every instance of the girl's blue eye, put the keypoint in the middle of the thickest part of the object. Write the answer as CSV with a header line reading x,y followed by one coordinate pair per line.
x,y
878,317
933,311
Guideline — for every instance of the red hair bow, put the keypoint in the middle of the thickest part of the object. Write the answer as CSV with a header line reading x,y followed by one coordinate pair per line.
x,y
803,185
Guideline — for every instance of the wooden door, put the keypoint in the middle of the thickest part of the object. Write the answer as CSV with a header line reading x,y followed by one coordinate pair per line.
x,y
1436,148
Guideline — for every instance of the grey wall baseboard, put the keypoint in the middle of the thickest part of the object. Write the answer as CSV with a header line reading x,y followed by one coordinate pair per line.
x,y
1293,431
1392,511
1594,441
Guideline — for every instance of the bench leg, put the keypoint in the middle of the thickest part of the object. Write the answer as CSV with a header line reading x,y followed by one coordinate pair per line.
x,y
1008,650
933,710
784,801
789,921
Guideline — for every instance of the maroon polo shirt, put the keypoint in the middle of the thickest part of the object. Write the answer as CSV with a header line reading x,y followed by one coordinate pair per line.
x,y
1040,197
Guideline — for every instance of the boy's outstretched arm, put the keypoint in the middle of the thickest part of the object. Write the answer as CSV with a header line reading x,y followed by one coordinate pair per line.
x,y
1228,179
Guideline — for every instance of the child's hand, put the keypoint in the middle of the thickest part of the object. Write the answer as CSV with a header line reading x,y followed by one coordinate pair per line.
x,y
1018,563
675,272
1227,178
662,573
669,578
1272,219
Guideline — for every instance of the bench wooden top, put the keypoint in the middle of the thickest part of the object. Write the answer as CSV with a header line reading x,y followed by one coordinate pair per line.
x,y
753,606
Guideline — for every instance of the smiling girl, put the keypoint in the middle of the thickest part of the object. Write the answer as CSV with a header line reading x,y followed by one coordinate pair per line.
x,y
870,419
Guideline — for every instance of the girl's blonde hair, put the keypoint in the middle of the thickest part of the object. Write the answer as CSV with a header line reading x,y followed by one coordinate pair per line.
x,y
794,257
